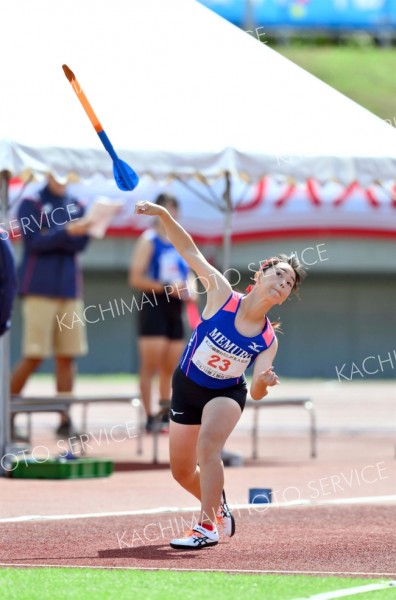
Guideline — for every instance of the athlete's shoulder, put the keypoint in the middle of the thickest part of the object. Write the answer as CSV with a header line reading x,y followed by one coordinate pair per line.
x,y
232,302
269,333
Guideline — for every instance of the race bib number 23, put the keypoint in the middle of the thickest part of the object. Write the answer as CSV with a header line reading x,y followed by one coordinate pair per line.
x,y
218,363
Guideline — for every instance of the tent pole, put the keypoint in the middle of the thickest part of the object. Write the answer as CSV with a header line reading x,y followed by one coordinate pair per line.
x,y
249,21
227,225
4,347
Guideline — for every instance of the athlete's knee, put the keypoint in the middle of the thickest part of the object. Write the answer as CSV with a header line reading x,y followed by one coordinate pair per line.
x,y
208,449
182,473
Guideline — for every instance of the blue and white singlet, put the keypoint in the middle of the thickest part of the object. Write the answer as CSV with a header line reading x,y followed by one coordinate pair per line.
x,y
217,355
166,264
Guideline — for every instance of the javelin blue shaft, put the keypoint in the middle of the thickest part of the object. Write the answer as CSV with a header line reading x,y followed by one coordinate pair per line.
x,y
107,144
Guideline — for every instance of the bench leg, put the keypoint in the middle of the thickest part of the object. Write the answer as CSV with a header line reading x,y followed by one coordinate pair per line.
x,y
313,434
255,434
155,434
84,417
139,429
29,427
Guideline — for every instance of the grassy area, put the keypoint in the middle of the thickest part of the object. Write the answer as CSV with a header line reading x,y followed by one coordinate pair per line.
x,y
74,584
366,74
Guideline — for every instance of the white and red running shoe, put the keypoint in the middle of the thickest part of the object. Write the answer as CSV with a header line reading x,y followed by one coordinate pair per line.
x,y
196,539
224,517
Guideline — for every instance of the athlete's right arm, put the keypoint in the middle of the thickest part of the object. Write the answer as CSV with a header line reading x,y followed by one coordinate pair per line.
x,y
212,280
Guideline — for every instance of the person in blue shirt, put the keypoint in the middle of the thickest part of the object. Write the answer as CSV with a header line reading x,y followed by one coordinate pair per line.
x,y
209,388
50,285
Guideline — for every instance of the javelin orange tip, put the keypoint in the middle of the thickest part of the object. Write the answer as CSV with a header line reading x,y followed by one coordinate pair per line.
x,y
83,99
68,72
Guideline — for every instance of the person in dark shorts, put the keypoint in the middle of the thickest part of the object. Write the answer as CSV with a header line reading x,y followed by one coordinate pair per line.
x,y
209,387
161,274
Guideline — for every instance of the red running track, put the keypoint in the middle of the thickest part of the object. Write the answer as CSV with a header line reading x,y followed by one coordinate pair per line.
x,y
344,540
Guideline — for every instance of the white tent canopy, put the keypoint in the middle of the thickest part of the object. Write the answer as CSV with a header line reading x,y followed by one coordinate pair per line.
x,y
179,91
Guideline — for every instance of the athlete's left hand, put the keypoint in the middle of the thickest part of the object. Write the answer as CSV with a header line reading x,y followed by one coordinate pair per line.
x,y
268,377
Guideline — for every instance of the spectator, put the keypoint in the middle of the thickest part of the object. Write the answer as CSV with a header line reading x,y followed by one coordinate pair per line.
x,y
161,274
50,286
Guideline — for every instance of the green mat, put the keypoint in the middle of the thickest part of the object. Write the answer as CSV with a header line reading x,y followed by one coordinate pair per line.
x,y
62,469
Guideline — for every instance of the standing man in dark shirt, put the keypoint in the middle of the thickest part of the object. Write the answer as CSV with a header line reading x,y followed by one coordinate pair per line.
x,y
50,284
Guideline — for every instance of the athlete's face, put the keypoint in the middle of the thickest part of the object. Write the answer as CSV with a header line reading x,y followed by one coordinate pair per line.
x,y
278,281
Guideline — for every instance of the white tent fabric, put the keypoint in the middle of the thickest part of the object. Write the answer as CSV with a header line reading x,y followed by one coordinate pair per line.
x,y
179,91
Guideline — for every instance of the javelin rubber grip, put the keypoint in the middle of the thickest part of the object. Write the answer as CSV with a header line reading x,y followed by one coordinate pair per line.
x,y
107,144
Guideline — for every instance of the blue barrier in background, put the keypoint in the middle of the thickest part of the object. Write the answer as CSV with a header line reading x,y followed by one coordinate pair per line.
x,y
333,14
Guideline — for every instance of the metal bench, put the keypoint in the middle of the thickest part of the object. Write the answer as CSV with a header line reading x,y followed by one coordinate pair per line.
x,y
59,403
305,403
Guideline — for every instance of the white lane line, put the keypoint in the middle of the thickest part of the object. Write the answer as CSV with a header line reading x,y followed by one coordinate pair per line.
x,y
257,508
372,587
211,570
125,513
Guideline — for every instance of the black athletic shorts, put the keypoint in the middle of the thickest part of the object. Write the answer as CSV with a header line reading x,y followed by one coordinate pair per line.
x,y
161,316
189,398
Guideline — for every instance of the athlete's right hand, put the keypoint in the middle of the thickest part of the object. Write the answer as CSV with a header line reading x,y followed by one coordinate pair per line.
x,y
148,208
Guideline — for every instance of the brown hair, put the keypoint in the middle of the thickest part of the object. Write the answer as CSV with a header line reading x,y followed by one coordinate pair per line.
x,y
164,199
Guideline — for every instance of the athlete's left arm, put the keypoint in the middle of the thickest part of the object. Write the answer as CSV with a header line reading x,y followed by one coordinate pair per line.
x,y
263,372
